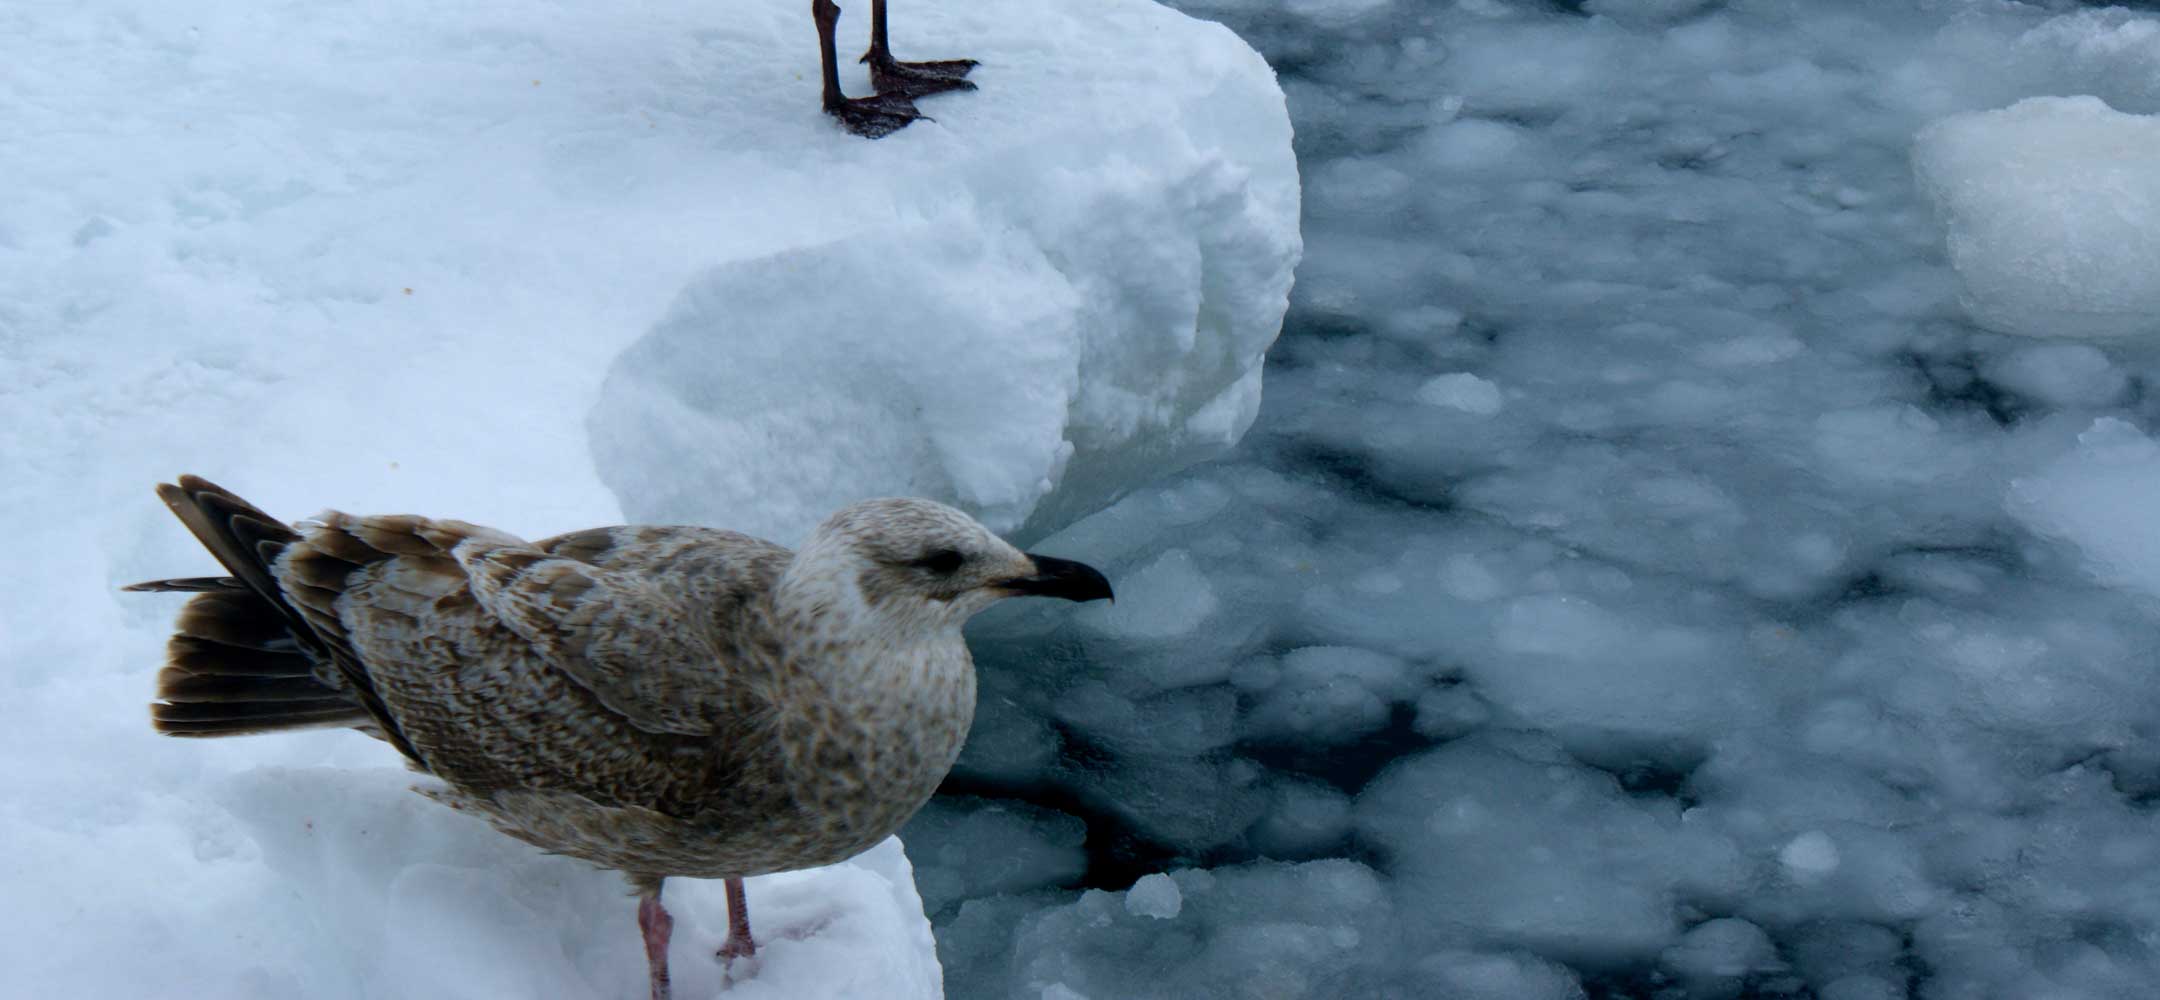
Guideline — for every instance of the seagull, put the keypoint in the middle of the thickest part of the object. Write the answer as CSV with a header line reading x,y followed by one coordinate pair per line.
x,y
898,83
660,701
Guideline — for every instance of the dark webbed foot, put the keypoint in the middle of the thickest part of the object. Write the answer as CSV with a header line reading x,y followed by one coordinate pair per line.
x,y
869,117
917,79
875,117
891,76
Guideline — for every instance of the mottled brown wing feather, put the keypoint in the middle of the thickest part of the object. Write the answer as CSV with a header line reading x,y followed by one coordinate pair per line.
x,y
634,645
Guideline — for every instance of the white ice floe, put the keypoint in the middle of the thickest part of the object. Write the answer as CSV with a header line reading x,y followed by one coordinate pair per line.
x,y
2052,208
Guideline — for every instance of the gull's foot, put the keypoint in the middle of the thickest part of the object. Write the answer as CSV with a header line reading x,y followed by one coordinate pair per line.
x,y
738,959
918,79
875,117
735,948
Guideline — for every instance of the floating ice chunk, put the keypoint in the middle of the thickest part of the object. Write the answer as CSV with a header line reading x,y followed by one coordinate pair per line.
x,y
1473,145
2099,498
1315,930
1878,877
2059,374
1863,988
1358,184
1328,694
1556,624
1888,444
2052,208
1465,577
1179,723
1461,391
1463,975
1334,13
1831,951
1168,597
974,943
1008,743
1154,896
1303,818
1647,12
1810,856
967,848
1714,956
1448,712
1506,840
1186,803
1751,349
1607,677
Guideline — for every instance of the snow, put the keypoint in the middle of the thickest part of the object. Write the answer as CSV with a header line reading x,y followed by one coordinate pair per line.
x,y
546,266
2053,212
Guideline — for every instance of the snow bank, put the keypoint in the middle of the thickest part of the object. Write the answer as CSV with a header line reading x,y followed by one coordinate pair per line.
x,y
2052,207
400,897
402,256
1062,290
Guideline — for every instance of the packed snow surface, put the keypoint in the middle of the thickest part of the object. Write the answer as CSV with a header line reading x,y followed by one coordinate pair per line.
x,y
545,266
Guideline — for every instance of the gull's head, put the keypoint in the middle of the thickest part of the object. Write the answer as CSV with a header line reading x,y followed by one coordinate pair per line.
x,y
907,562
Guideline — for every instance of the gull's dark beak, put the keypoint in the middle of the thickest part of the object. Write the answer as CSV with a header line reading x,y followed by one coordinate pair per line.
x,y
1064,578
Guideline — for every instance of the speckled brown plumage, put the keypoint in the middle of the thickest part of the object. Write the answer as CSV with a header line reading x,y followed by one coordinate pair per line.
x,y
664,701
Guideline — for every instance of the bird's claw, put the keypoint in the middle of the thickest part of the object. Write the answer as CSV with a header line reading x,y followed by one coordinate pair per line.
x,y
738,959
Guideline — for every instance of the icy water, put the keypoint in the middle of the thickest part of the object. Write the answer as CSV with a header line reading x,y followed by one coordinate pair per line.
x,y
1645,578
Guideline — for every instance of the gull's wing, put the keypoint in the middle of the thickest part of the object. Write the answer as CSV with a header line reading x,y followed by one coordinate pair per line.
x,y
654,624
632,643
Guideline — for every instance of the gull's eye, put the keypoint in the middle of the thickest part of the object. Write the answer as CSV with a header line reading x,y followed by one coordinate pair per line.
x,y
940,561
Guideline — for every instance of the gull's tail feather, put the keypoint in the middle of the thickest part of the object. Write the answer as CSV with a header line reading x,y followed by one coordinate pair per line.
x,y
233,667
242,659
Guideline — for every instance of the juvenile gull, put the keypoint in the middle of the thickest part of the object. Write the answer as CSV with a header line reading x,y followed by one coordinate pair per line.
x,y
656,700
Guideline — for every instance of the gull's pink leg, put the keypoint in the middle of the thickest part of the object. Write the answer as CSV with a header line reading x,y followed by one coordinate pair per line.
x,y
738,943
653,919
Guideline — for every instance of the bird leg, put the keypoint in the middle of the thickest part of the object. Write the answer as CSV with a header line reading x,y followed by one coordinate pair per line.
x,y
738,943
653,919
870,117
915,79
